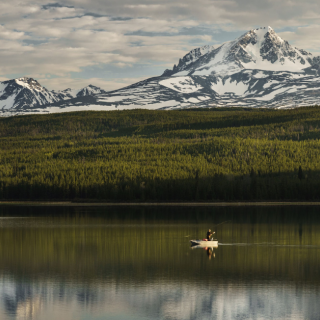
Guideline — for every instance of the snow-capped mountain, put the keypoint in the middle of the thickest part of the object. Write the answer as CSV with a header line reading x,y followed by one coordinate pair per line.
x,y
258,69
248,88
90,90
259,49
24,94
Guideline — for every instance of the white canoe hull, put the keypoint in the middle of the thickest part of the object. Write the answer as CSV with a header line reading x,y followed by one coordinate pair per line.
x,y
201,243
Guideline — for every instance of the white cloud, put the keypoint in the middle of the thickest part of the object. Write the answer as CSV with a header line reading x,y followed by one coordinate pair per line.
x,y
65,38
10,34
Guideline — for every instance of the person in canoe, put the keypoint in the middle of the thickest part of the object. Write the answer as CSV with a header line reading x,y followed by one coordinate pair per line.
x,y
209,234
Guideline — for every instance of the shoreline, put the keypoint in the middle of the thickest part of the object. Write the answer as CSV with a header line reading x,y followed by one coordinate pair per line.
x,y
155,204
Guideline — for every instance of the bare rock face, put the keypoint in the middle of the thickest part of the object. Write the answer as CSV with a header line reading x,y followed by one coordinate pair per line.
x,y
188,59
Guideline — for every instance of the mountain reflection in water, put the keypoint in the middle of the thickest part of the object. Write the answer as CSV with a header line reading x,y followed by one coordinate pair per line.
x,y
73,263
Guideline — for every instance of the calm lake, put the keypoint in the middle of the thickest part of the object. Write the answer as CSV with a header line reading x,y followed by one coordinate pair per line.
x,y
137,263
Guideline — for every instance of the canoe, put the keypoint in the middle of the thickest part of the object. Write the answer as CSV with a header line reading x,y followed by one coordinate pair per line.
x,y
202,243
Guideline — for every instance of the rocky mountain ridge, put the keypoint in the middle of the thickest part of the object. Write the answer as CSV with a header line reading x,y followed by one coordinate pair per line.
x,y
259,49
258,69
25,93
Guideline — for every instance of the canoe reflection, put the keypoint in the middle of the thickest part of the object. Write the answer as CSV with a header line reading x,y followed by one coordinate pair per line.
x,y
210,251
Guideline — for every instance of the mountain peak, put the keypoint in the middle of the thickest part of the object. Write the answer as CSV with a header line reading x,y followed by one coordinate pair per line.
x,y
259,48
261,31
29,83
89,90
267,29
26,80
264,32
258,36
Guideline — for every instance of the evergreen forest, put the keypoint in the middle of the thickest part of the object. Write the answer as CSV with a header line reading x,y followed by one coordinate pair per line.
x,y
219,154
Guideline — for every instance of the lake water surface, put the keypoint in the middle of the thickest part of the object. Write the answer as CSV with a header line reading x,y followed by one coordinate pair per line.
x,y
137,263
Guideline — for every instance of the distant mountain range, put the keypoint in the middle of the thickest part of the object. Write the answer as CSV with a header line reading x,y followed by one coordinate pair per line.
x,y
24,94
258,69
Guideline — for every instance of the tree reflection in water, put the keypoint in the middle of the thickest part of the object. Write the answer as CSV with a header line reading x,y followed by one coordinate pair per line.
x,y
104,263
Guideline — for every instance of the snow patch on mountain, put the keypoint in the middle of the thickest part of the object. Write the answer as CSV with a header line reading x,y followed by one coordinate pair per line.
x,y
238,88
7,103
259,75
272,94
181,84
116,98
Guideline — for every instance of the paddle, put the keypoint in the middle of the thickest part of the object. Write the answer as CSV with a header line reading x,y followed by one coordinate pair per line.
x,y
222,222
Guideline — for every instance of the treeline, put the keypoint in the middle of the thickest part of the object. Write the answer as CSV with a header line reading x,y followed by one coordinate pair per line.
x,y
140,155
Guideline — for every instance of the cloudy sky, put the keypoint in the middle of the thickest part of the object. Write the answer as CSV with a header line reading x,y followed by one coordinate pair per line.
x,y
113,43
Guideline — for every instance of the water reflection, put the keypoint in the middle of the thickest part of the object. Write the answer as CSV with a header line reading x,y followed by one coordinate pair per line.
x,y
208,247
121,265
165,300
210,253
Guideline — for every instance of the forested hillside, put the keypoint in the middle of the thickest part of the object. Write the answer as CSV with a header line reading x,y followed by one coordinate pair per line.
x,y
187,155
